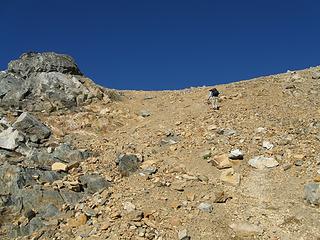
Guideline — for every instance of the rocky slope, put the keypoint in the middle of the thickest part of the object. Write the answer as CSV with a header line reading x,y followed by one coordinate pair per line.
x,y
157,165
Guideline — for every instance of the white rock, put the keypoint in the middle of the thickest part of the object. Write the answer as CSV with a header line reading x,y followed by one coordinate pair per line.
x,y
129,207
261,130
261,162
9,138
183,235
267,145
205,207
236,154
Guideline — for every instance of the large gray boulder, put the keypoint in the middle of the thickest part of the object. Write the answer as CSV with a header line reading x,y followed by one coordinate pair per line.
x,y
46,82
33,62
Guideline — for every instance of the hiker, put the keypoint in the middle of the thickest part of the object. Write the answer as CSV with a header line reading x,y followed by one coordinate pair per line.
x,y
213,98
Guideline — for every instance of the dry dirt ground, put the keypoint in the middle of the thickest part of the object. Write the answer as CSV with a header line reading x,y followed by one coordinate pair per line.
x,y
282,109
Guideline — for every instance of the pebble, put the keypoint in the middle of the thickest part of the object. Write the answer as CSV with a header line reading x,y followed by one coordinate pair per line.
x,y
298,163
183,235
236,155
144,113
267,145
149,170
287,166
205,207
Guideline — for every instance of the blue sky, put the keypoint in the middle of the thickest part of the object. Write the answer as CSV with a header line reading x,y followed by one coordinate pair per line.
x,y
152,45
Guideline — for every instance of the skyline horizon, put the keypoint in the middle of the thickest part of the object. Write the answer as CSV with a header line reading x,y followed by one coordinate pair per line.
x,y
169,44
173,89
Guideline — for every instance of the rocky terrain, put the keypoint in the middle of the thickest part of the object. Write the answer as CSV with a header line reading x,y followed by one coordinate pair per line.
x,y
78,161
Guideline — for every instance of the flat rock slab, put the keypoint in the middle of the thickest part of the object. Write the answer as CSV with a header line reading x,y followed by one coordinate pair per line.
x,y
261,162
221,161
246,229
231,177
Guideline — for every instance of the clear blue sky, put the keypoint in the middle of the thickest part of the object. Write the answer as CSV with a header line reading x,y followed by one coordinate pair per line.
x,y
166,44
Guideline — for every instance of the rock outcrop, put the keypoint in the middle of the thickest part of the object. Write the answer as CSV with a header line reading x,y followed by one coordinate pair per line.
x,y
46,82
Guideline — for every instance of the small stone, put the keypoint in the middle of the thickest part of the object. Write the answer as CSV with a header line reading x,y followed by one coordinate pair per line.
x,y
298,163
246,229
105,226
178,123
129,207
236,155
227,132
221,161
205,207
312,193
317,178
149,170
261,130
286,166
49,150
183,235
222,197
80,220
190,196
261,162
30,214
267,145
135,215
231,177
90,212
206,155
148,97
144,113
58,166
212,127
